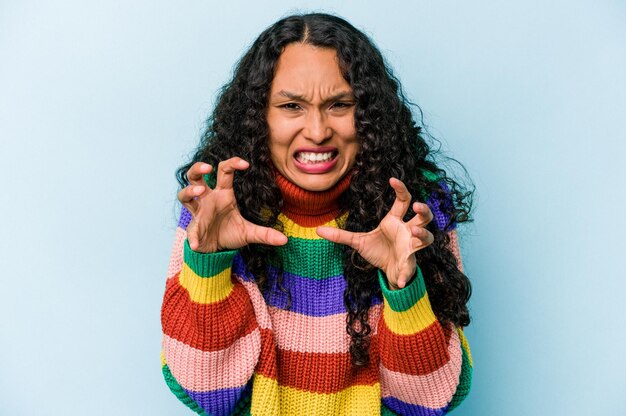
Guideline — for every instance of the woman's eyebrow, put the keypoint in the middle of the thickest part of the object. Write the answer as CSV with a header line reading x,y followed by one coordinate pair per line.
x,y
298,97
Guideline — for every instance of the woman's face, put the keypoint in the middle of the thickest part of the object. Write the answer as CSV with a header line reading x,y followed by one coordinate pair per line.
x,y
311,118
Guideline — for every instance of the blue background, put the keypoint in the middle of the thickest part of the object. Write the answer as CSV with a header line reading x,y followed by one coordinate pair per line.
x,y
101,101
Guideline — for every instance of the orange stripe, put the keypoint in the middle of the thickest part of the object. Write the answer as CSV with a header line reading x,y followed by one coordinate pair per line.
x,y
322,373
311,221
267,360
400,352
208,327
432,390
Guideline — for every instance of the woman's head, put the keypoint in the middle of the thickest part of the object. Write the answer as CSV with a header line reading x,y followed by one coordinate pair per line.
x,y
378,137
244,114
310,116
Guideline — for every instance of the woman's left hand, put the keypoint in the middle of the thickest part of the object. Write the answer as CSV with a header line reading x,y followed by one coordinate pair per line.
x,y
392,245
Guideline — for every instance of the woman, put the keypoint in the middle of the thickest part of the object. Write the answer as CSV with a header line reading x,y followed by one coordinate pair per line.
x,y
307,276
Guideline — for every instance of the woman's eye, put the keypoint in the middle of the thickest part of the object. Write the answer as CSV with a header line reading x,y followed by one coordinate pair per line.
x,y
291,106
342,105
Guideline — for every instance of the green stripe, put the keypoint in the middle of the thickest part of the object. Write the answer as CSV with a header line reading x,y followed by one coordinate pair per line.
x,y
208,264
402,299
431,176
211,178
465,382
180,392
243,406
315,259
385,411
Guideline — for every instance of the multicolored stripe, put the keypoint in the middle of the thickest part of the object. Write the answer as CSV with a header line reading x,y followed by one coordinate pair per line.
x,y
228,348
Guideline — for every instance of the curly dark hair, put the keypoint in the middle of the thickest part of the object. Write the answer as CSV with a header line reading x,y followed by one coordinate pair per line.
x,y
391,144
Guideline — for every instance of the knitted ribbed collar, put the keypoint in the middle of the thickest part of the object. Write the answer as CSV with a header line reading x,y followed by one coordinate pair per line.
x,y
310,208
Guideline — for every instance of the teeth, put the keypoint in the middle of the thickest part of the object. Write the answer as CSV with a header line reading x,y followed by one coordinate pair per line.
x,y
310,157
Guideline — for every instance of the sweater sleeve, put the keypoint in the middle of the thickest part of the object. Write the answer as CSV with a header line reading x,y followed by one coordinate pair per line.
x,y
211,339
426,367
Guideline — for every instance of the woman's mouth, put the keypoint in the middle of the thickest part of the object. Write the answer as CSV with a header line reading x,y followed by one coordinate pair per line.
x,y
316,162
310,158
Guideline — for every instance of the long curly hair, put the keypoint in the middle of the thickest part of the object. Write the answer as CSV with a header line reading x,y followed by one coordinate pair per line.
x,y
391,144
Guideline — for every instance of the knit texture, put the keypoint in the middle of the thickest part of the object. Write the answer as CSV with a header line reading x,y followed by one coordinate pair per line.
x,y
229,349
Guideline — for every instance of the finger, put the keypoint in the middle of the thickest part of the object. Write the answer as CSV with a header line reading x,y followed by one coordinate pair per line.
x,y
226,171
422,238
189,193
195,174
403,198
337,235
423,215
405,275
265,235
192,237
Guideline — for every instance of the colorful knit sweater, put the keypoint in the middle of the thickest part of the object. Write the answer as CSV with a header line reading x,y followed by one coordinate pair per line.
x,y
229,349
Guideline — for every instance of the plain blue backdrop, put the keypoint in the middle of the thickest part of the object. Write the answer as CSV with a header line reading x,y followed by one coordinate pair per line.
x,y
100,101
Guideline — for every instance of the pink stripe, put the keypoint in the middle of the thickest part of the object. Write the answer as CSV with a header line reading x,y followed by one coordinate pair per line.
x,y
203,371
432,390
258,303
454,247
176,258
303,333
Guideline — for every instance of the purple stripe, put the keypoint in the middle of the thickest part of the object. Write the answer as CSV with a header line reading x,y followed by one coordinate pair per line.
x,y
310,297
217,402
439,205
403,408
185,218
239,268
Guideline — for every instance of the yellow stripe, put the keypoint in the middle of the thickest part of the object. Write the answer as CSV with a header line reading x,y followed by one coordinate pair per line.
x,y
291,229
353,401
465,345
265,398
163,362
206,290
413,320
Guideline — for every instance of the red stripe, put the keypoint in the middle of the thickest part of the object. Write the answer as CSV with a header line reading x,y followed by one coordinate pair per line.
x,y
267,360
322,373
209,327
417,354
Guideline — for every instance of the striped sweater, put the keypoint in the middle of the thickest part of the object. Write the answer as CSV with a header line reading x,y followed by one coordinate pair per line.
x,y
230,349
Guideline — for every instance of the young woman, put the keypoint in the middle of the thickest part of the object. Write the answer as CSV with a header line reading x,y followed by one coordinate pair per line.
x,y
308,276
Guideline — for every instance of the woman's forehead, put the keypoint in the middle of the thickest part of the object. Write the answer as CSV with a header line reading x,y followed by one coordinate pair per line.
x,y
302,68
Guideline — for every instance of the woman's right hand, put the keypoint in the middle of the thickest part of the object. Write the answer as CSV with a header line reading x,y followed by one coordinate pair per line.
x,y
217,223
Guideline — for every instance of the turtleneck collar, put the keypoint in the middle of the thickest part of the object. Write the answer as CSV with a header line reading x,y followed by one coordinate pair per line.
x,y
311,208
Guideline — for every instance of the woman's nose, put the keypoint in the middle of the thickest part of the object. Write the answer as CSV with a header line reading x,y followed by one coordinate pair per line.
x,y
317,129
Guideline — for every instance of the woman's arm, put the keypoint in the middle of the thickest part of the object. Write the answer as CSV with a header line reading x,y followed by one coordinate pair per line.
x,y
211,338
426,368
211,334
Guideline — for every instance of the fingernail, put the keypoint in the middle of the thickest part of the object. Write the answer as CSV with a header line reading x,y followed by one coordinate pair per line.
x,y
198,189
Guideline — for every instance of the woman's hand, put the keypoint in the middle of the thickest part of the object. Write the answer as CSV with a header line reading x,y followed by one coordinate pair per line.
x,y
392,245
217,223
